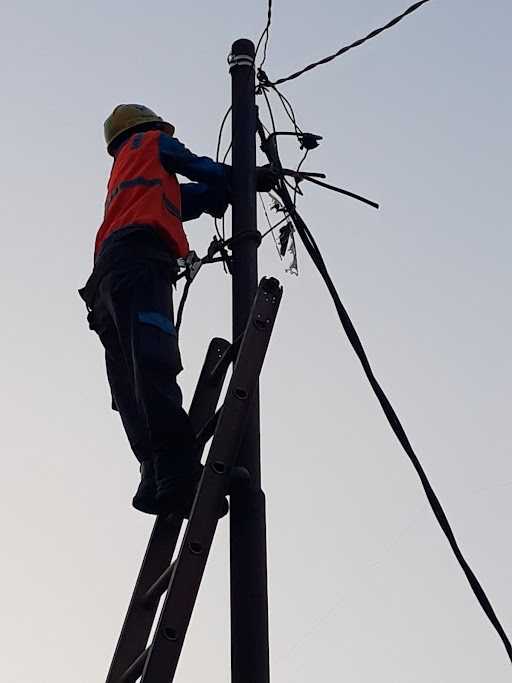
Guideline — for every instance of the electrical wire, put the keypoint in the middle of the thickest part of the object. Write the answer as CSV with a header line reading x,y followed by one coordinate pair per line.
x,y
221,234
181,307
287,106
265,35
394,422
356,43
226,154
221,130
271,227
270,112
288,109
297,180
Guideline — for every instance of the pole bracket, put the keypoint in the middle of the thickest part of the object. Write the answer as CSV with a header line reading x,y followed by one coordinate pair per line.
x,y
240,60
243,235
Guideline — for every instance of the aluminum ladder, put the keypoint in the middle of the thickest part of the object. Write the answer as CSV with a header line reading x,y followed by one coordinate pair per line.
x,y
180,578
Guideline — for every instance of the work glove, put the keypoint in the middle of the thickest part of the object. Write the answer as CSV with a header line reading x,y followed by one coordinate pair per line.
x,y
266,178
217,206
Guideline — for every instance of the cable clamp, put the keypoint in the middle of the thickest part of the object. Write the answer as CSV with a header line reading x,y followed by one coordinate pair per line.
x,y
252,235
263,79
192,264
240,60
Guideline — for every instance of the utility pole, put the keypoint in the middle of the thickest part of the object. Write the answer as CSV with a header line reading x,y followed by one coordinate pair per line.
x,y
248,552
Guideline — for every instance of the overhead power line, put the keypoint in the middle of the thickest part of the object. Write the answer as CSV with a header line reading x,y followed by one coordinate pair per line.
x,y
357,43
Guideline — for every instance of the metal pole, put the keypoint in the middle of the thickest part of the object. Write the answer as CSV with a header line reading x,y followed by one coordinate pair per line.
x,y
248,552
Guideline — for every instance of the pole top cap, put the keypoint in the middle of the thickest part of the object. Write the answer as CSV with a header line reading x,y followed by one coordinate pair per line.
x,y
243,46
242,53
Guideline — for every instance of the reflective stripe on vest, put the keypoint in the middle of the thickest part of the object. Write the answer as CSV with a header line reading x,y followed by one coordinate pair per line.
x,y
141,192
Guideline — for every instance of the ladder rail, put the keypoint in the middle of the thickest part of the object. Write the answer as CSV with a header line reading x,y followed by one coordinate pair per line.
x,y
157,560
162,659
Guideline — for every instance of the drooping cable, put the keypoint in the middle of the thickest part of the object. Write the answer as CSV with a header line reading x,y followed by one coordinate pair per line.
x,y
269,108
287,106
312,248
356,43
221,130
221,234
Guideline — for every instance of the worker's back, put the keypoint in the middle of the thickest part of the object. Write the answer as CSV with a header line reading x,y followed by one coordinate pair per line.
x,y
141,192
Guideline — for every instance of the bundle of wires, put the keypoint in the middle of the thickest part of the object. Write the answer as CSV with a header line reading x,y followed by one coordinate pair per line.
x,y
270,148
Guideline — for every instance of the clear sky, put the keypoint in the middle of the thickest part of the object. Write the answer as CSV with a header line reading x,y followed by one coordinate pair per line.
x,y
363,586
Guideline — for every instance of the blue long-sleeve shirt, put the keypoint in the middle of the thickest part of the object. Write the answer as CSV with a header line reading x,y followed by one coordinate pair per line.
x,y
209,193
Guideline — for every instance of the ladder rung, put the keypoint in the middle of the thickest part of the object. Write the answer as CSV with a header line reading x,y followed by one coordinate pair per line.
x,y
159,587
134,671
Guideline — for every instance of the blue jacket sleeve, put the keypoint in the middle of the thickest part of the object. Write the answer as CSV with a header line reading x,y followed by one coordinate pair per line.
x,y
198,198
176,158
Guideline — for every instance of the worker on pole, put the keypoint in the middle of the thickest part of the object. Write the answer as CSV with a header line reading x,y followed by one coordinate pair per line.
x,y
129,293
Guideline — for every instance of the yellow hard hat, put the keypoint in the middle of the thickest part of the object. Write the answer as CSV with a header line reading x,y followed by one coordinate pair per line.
x,y
126,116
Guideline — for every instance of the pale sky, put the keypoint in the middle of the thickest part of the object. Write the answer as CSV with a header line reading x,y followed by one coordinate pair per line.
x,y
362,584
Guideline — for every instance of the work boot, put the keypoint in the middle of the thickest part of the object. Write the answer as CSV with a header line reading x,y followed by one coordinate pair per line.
x,y
145,497
176,487
176,484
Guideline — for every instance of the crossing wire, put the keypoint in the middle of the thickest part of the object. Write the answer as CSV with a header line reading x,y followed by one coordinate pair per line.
x,y
357,43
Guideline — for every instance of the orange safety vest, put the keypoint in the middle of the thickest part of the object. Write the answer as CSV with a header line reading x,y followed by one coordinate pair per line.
x,y
142,192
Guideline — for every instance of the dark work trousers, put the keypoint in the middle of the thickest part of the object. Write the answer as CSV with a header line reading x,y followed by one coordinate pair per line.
x,y
132,313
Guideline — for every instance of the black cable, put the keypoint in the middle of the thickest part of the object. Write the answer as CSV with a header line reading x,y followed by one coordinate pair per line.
x,y
297,180
287,106
371,35
221,129
264,83
396,426
273,227
359,197
270,112
221,234
226,153
181,307
265,35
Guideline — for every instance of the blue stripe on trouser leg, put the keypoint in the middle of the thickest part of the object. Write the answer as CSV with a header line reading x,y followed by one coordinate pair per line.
x,y
158,320
157,363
